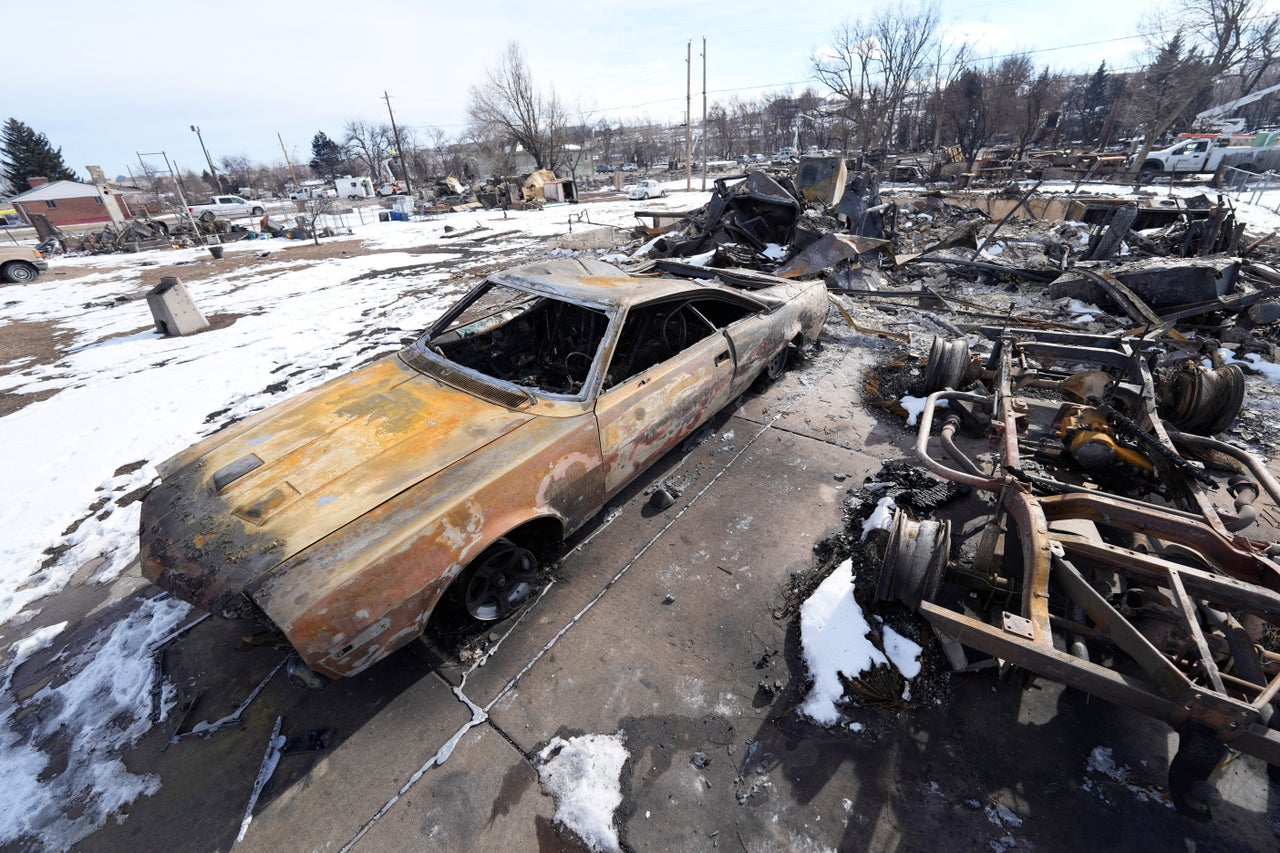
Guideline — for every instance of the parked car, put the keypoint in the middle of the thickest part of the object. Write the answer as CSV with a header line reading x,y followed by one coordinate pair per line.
x,y
21,264
629,167
436,477
603,169
647,188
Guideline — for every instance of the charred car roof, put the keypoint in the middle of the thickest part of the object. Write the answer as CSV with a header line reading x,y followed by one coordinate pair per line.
x,y
593,282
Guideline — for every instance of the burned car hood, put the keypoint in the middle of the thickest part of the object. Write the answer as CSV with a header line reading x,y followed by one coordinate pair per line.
x,y
238,503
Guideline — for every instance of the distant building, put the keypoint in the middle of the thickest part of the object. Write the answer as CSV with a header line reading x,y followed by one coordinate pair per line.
x,y
67,202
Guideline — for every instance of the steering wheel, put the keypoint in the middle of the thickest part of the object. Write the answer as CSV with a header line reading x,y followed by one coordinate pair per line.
x,y
571,359
675,331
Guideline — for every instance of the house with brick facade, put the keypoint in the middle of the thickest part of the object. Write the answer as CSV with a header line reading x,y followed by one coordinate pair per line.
x,y
68,203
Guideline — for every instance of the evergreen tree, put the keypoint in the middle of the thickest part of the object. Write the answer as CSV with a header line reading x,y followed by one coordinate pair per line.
x,y
328,158
1095,103
27,154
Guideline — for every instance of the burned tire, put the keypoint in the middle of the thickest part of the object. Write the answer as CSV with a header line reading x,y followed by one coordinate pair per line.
x,y
19,272
498,583
948,363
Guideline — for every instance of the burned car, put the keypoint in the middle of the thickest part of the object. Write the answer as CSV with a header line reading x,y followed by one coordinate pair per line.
x,y
345,515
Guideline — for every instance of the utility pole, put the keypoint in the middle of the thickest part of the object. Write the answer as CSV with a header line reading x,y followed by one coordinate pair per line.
x,y
688,117
408,186
704,113
213,173
296,185
195,229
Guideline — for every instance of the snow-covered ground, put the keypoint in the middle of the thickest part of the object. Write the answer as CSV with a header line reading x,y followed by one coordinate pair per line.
x,y
126,399
123,399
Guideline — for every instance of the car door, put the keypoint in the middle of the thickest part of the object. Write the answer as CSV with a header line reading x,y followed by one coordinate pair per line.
x,y
1189,156
670,371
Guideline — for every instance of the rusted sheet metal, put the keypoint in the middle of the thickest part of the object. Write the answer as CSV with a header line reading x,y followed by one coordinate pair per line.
x,y
324,463
351,599
345,513
649,414
829,250
822,179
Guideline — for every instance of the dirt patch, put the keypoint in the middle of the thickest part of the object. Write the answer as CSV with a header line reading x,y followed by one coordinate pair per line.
x,y
43,342
10,403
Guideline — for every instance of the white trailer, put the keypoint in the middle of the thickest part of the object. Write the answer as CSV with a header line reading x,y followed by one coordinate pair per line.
x,y
349,187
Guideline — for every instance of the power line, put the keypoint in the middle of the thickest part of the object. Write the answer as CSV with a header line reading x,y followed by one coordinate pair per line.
x,y
734,89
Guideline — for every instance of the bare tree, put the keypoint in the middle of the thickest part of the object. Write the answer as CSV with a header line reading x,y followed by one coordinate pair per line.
x,y
371,144
1193,44
508,108
874,66
968,105
946,64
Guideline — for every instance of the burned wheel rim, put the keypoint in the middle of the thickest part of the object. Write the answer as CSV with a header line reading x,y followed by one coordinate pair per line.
x,y
948,362
1203,401
777,365
914,560
499,582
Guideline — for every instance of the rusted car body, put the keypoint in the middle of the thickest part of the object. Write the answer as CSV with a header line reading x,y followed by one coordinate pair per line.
x,y
1111,562
344,514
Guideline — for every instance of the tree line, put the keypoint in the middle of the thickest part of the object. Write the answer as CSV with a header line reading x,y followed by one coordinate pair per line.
x,y
886,83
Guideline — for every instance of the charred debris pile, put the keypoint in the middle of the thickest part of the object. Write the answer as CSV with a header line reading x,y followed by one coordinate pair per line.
x,y
1067,511
1024,255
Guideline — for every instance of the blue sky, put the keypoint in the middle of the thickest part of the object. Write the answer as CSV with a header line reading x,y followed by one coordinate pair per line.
x,y
119,79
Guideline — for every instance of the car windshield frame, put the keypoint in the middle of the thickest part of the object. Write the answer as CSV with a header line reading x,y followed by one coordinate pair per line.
x,y
428,352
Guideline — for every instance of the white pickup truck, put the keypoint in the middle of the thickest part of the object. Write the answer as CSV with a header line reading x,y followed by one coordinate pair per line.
x,y
1197,155
227,205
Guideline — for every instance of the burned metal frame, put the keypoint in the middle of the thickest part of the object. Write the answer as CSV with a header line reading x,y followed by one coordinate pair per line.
x,y
1077,543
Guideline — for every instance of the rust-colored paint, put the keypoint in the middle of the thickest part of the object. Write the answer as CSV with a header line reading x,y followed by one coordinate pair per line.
x,y
346,512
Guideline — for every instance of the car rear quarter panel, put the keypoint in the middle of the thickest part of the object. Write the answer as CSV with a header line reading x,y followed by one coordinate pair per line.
x,y
757,339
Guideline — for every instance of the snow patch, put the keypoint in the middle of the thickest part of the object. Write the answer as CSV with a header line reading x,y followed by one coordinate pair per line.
x,y
915,407
834,634
881,517
903,652
584,774
102,707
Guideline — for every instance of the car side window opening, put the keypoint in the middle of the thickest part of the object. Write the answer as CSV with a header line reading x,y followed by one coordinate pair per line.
x,y
653,333
528,340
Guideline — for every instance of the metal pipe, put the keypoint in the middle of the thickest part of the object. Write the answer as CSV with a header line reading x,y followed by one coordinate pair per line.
x,y
990,484
1255,466
947,437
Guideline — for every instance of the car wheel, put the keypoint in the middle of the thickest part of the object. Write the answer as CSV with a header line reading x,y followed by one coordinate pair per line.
x,y
776,366
498,582
20,272
258,211
207,216
1151,166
